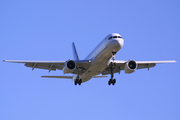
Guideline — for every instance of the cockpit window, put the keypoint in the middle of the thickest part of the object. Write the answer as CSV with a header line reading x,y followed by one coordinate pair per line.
x,y
114,37
110,38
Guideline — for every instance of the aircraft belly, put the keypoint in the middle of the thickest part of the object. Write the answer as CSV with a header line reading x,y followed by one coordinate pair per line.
x,y
92,71
97,67
100,62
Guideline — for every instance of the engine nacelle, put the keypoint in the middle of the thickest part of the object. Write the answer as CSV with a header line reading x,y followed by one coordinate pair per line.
x,y
130,66
69,66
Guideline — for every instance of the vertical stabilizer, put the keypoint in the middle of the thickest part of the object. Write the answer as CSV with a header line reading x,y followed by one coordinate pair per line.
x,y
75,55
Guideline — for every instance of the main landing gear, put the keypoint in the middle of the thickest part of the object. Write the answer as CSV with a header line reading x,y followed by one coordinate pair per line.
x,y
78,81
112,81
113,64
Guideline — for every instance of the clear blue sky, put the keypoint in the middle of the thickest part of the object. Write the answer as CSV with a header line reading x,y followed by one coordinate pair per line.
x,y
44,30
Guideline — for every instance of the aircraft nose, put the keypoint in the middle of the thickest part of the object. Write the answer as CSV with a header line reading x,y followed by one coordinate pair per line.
x,y
118,43
121,43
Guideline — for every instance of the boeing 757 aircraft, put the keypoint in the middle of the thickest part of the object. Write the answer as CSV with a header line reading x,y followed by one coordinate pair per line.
x,y
100,61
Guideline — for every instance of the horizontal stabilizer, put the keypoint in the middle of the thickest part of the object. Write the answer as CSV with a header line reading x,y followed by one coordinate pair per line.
x,y
99,76
67,77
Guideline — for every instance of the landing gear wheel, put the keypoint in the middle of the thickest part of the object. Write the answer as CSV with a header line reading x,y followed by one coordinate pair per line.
x,y
109,82
113,82
76,81
80,81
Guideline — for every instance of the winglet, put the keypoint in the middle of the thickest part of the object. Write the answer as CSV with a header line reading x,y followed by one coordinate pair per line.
x,y
75,55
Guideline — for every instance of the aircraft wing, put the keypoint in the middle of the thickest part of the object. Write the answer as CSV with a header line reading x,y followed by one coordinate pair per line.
x,y
140,65
148,64
50,65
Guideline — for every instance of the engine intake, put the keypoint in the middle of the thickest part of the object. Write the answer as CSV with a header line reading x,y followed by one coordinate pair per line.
x,y
69,66
130,66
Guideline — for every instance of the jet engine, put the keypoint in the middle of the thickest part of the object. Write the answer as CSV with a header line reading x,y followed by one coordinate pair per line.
x,y
130,66
69,66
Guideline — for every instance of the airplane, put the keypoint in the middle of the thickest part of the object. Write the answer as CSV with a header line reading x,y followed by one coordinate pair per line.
x,y
100,61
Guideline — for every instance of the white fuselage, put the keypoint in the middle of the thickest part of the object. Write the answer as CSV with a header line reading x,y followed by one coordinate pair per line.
x,y
101,56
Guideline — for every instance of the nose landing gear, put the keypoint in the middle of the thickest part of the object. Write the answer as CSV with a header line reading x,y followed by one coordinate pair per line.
x,y
113,58
113,64
113,55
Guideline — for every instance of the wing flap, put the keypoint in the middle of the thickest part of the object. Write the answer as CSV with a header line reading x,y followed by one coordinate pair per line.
x,y
66,77
99,76
45,66
141,66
